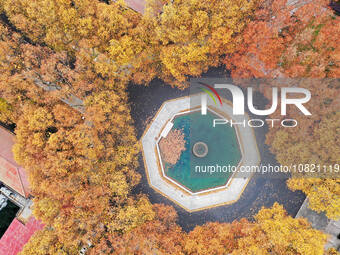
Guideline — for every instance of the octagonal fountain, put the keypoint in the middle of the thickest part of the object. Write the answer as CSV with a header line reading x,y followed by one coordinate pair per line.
x,y
184,179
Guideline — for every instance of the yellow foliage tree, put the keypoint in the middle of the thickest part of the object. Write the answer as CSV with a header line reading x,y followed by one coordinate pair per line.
x,y
314,141
80,166
46,242
277,233
183,40
272,232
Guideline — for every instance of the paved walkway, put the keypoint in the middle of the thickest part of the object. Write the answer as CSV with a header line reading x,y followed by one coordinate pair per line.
x,y
71,100
321,222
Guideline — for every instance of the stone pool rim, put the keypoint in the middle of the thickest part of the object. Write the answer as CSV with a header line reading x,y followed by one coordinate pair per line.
x,y
197,202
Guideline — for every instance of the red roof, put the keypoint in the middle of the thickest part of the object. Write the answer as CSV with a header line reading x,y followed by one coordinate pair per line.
x,y
11,173
17,235
137,5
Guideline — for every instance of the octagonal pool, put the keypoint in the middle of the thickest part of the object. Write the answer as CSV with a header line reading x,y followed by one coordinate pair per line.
x,y
215,146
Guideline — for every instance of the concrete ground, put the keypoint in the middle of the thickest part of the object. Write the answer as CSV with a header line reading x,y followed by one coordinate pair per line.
x,y
321,222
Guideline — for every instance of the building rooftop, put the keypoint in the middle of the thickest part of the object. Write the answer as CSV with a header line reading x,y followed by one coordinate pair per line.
x,y
17,235
11,174
15,178
137,5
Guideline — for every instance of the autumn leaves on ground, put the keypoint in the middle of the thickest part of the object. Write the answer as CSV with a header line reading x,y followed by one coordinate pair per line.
x,y
82,166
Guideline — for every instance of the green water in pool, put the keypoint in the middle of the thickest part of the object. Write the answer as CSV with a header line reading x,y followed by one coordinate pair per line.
x,y
223,149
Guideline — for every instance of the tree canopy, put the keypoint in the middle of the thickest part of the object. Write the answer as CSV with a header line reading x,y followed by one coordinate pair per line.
x,y
82,163
296,41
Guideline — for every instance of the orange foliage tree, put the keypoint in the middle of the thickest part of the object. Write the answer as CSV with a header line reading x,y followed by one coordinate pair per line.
x,y
172,146
160,236
273,231
80,166
298,42
294,42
